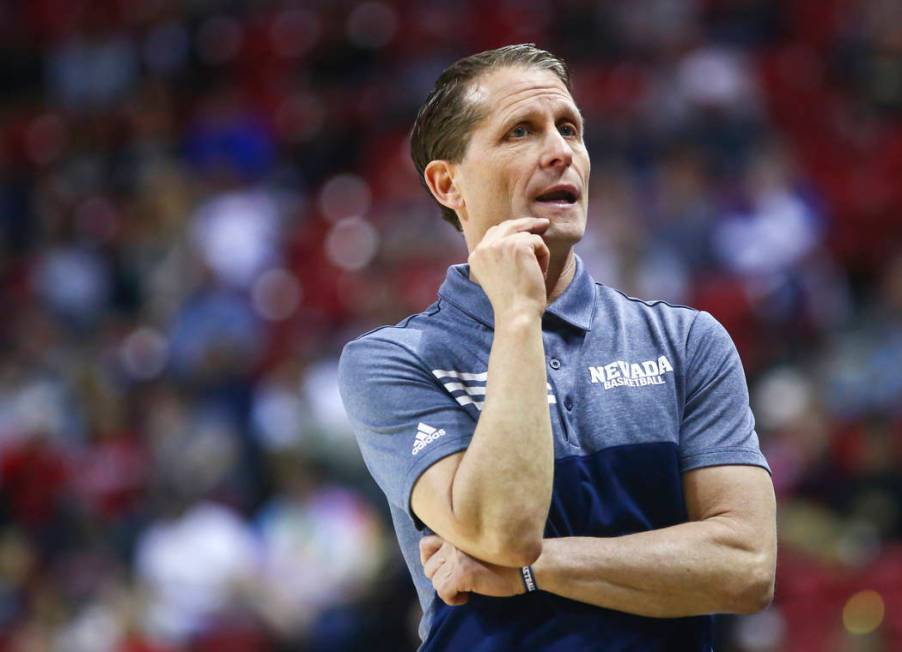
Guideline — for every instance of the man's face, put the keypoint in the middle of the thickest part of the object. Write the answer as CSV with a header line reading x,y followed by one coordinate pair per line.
x,y
526,157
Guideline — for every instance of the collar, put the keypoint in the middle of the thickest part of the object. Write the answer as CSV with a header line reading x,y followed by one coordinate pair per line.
x,y
576,305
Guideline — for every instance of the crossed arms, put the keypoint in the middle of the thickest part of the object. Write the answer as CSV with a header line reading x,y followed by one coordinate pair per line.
x,y
720,561
489,505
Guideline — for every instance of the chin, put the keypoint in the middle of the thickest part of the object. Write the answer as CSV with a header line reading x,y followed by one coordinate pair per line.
x,y
565,231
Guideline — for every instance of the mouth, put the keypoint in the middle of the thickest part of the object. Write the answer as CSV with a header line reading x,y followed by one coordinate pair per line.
x,y
561,195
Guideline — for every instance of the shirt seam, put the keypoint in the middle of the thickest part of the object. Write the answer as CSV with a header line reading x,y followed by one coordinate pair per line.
x,y
417,357
586,453
727,449
651,303
403,324
752,457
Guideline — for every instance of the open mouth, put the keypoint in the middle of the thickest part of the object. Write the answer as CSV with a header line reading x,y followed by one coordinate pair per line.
x,y
558,196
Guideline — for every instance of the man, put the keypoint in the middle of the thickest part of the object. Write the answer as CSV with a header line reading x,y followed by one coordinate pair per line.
x,y
586,461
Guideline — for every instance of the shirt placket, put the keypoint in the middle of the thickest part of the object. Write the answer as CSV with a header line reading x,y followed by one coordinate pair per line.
x,y
560,378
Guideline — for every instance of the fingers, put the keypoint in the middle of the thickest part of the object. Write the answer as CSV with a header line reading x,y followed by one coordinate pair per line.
x,y
446,587
434,563
515,239
538,247
429,545
437,558
435,554
455,599
521,224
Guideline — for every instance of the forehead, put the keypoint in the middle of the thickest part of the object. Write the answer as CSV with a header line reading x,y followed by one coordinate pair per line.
x,y
505,91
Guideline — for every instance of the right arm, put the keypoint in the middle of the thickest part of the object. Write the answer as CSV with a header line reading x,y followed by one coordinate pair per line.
x,y
491,500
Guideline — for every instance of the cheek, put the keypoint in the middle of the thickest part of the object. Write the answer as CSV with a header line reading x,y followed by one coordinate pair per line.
x,y
586,165
496,191
489,192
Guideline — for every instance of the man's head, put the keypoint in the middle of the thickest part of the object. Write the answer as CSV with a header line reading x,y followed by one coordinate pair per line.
x,y
500,137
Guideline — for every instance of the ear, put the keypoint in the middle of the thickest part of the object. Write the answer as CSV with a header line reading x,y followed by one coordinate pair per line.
x,y
440,180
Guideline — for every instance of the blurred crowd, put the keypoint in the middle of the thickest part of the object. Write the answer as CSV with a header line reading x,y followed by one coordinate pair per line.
x,y
201,201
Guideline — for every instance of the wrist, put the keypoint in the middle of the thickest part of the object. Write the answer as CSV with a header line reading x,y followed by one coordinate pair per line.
x,y
518,319
541,567
528,578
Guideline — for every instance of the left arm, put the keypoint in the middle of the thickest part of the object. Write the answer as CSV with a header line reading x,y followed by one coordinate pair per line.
x,y
721,561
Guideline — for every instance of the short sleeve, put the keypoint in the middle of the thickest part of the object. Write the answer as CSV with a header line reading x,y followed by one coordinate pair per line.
x,y
718,426
403,418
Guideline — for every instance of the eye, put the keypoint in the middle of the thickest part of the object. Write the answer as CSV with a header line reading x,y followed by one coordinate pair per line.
x,y
520,131
568,129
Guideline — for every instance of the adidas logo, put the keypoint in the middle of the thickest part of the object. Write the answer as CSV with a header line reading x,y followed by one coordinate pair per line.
x,y
425,435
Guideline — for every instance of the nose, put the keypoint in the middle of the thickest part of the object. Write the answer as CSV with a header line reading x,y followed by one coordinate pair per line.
x,y
556,151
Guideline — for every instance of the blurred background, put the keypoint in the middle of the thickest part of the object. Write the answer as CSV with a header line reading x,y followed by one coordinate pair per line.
x,y
201,201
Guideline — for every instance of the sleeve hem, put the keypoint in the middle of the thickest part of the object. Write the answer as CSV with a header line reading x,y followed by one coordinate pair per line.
x,y
435,453
724,456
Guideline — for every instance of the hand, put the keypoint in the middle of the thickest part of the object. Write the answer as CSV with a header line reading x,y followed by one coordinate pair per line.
x,y
455,574
510,263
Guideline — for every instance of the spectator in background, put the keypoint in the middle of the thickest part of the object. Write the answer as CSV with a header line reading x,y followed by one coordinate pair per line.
x,y
123,123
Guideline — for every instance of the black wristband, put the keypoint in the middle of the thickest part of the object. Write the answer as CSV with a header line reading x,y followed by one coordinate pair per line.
x,y
529,579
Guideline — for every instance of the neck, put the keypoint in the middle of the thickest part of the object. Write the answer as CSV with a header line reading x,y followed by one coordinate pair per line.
x,y
561,270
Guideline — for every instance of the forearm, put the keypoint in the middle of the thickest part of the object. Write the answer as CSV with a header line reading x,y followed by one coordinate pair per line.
x,y
502,487
694,568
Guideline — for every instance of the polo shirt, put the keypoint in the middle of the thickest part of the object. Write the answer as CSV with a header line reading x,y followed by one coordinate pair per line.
x,y
638,393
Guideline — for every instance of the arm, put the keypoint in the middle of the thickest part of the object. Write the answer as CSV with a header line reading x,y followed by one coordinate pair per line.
x,y
721,561
492,500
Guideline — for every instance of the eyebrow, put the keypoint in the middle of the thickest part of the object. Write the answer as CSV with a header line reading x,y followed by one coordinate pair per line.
x,y
570,111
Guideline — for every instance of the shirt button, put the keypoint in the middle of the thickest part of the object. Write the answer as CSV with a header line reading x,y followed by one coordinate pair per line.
x,y
554,363
568,403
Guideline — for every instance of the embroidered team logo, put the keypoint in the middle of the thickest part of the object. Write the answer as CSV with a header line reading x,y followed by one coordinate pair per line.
x,y
425,435
631,374
469,388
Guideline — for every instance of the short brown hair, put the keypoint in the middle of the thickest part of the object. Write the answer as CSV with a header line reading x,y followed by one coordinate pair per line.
x,y
444,123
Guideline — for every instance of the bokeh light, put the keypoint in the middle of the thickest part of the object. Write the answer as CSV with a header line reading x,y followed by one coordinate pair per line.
x,y
781,397
276,294
352,243
344,195
863,612
144,353
762,631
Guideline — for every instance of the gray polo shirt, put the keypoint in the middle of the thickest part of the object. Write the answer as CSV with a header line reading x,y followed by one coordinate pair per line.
x,y
638,393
